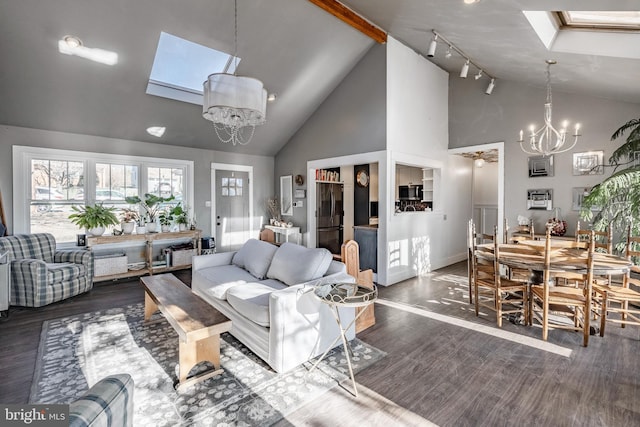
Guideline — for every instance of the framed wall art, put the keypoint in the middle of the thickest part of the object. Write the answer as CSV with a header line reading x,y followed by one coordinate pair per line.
x,y
578,195
540,166
588,163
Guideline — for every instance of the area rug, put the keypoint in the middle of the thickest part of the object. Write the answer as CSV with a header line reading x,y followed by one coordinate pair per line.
x,y
75,352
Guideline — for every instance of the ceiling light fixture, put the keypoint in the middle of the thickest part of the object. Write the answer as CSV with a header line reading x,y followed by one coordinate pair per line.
x,y
432,46
235,104
490,87
471,1
547,140
156,131
272,97
479,162
72,45
464,71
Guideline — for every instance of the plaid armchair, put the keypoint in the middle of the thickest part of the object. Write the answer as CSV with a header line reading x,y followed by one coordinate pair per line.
x,y
108,403
40,274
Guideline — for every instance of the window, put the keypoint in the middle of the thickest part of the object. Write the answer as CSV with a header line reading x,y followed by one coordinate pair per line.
x,y
181,66
49,182
601,20
231,187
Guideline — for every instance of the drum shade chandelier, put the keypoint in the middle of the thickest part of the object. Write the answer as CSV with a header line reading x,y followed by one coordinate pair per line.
x,y
547,140
235,104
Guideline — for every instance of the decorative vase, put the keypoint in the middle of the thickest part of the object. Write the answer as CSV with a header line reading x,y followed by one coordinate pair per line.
x,y
127,227
141,229
165,228
558,225
151,227
182,227
96,231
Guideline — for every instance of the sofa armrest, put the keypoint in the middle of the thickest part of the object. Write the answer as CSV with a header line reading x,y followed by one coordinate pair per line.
x,y
301,326
212,260
26,276
108,403
76,256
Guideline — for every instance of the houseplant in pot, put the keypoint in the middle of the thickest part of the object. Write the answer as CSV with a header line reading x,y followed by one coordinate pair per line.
x,y
152,205
615,202
180,216
166,219
93,218
128,219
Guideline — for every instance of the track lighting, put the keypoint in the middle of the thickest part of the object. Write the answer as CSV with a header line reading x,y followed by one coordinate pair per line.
x,y
432,46
492,84
465,70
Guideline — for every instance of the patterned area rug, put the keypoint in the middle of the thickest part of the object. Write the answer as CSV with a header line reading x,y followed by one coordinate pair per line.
x,y
75,352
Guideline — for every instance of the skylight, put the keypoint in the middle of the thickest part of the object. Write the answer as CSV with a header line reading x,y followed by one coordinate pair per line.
x,y
181,66
603,20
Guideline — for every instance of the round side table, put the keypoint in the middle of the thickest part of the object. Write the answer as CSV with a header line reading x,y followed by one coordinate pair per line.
x,y
337,295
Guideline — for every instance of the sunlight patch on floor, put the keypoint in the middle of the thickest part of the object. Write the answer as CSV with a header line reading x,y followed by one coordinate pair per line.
x,y
498,333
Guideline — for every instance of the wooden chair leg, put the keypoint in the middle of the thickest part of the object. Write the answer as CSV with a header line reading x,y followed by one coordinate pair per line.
x,y
603,313
498,300
545,321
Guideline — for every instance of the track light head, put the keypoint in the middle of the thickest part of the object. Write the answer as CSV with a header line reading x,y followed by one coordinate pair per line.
x,y
465,70
433,46
477,76
448,54
492,84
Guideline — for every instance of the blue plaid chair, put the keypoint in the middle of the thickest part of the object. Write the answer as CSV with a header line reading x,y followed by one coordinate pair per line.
x,y
108,403
40,274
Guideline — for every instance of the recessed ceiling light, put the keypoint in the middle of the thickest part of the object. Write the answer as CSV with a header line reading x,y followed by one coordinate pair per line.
x,y
272,97
72,41
471,1
157,131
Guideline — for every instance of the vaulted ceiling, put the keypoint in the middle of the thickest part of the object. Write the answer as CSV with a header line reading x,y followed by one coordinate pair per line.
x,y
298,50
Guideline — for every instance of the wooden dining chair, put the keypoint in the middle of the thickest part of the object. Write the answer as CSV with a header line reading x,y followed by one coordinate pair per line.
x,y
603,239
473,239
350,253
495,292
623,300
569,306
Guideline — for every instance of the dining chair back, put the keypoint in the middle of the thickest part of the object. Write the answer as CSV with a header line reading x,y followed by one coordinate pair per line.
x,y
603,240
570,307
495,292
622,300
473,239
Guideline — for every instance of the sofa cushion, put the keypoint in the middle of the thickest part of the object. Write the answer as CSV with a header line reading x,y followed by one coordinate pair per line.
x,y
252,301
255,257
221,278
293,264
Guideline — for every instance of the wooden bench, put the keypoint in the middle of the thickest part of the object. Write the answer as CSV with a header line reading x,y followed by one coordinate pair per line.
x,y
197,323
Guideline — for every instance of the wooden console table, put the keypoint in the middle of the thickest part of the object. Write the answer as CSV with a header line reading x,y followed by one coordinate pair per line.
x,y
148,239
285,231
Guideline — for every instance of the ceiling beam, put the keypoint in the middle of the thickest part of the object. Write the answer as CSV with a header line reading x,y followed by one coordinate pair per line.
x,y
348,16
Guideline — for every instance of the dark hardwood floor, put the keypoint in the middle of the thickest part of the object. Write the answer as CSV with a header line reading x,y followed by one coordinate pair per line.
x,y
444,365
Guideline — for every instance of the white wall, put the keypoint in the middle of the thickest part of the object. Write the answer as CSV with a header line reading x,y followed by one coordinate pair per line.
x,y
417,134
485,184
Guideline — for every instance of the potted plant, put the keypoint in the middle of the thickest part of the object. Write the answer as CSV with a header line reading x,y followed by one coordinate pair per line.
x,y
166,219
152,205
93,218
181,217
615,202
128,219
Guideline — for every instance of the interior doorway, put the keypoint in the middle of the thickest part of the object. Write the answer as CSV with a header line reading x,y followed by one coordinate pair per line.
x,y
487,182
232,207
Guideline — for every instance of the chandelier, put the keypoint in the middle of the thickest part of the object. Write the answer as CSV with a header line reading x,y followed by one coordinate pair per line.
x,y
235,104
547,140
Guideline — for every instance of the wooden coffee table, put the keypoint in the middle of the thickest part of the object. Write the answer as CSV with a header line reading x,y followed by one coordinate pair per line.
x,y
197,323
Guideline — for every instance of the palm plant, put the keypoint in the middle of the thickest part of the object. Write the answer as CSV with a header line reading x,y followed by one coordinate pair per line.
x,y
616,200
93,216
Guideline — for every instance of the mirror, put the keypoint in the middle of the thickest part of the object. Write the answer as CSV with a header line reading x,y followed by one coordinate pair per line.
x,y
286,195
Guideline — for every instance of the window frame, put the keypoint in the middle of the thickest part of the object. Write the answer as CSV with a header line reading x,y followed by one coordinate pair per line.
x,y
23,155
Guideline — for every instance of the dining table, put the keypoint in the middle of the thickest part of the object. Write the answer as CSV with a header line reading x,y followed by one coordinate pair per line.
x,y
530,255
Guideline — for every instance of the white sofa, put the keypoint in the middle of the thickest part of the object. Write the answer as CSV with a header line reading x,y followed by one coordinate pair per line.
x,y
267,292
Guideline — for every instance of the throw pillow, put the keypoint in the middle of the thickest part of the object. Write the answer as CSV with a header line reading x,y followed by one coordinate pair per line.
x,y
293,264
255,257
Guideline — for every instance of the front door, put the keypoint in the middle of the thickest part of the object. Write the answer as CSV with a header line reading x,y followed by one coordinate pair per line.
x,y
232,216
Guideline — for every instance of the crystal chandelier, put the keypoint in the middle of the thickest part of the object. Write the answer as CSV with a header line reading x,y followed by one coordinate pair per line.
x,y
547,140
235,104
